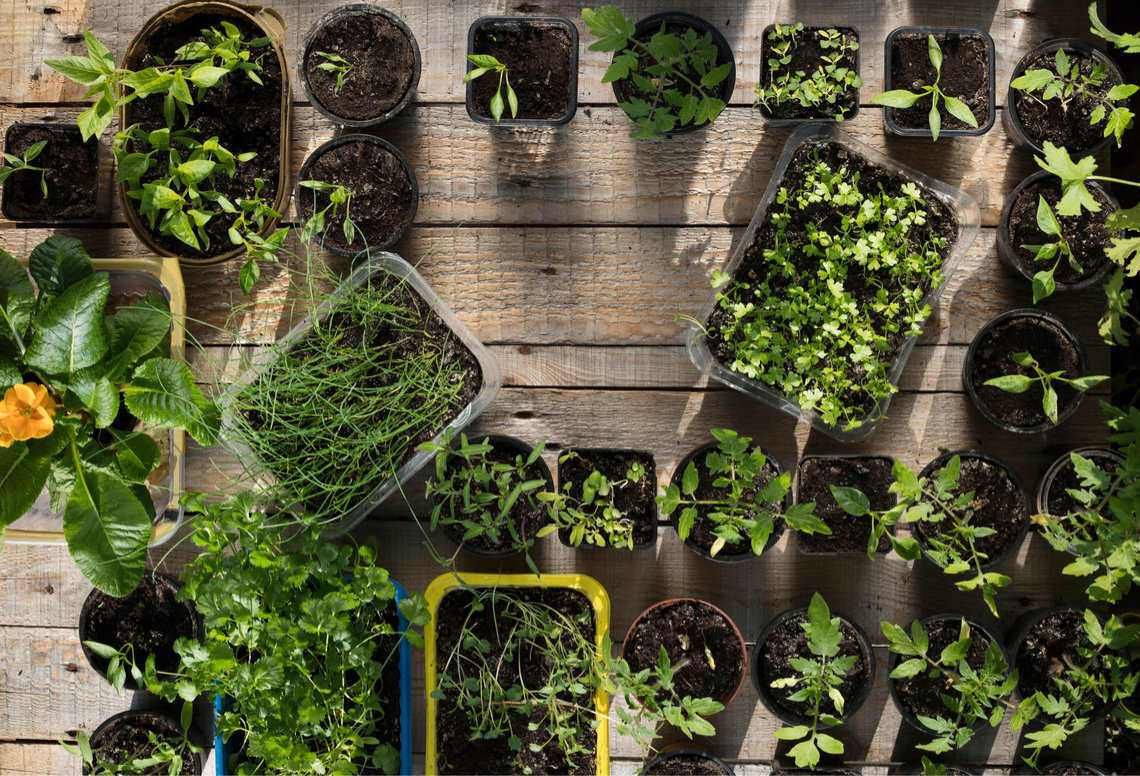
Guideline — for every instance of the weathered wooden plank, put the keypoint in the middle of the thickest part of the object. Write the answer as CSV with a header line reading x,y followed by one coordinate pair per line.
x,y
29,758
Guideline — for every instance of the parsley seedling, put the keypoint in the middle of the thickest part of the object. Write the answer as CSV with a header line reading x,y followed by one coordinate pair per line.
x,y
823,86
1020,382
337,65
485,63
904,98
23,162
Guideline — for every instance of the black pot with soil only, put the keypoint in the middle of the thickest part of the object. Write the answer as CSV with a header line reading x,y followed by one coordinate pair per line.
x,y
635,500
701,536
149,620
1071,768
921,694
968,63
70,173
677,22
872,474
541,55
361,65
696,635
526,518
1087,234
1044,645
456,752
384,193
1030,121
126,736
1048,340
1061,476
782,641
686,762
807,55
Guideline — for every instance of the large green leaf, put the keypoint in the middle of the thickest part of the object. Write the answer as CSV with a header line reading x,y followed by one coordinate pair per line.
x,y
98,394
17,298
163,393
70,334
135,332
107,530
22,478
59,262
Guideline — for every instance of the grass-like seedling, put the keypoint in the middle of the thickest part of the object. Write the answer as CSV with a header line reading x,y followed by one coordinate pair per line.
x,y
337,65
1020,382
592,517
484,64
824,85
904,98
23,162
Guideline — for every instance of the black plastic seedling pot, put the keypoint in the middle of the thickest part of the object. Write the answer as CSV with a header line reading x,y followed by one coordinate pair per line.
x,y
1101,456
821,540
70,173
823,116
650,474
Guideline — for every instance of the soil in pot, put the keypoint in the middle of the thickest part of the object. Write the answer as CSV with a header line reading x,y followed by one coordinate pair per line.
x,y
539,58
786,642
871,475
456,752
684,764
921,695
1069,768
128,738
244,116
1087,234
149,619
71,173
998,504
807,57
695,632
1047,650
1060,503
382,60
383,201
1045,340
1048,120
965,75
635,500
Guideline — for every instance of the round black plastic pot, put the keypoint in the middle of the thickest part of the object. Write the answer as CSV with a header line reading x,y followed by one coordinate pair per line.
x,y
910,717
651,24
721,557
1009,252
571,90
669,753
1071,767
799,479
1062,462
985,126
516,447
1012,122
359,10
70,135
934,466
850,706
165,723
651,473
789,122
357,137
968,370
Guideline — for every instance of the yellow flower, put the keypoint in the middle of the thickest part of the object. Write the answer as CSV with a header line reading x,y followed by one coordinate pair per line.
x,y
26,413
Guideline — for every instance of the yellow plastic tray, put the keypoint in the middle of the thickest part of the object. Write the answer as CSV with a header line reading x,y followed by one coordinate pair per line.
x,y
588,586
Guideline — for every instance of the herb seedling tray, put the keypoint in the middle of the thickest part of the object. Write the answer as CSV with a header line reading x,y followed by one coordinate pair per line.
x,y
965,209
374,263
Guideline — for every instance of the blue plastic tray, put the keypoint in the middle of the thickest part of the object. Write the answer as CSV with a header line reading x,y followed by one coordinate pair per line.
x,y
221,753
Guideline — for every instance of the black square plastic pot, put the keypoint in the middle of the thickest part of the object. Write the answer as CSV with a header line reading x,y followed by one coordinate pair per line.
x,y
791,122
81,212
520,21
650,474
893,127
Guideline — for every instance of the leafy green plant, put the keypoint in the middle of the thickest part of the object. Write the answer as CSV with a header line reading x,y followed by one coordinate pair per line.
x,y
824,85
23,162
1043,282
904,98
68,366
1128,42
165,755
1099,671
671,79
1065,82
485,63
340,200
856,503
1019,382
818,681
119,662
335,64
741,512
593,516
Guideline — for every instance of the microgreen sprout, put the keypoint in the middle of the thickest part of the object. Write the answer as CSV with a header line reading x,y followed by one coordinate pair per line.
x,y
23,162
1020,382
904,98
824,86
340,200
485,63
592,516
337,65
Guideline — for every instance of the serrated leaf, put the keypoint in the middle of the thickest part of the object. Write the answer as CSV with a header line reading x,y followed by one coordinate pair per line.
x,y
57,263
69,333
98,394
162,392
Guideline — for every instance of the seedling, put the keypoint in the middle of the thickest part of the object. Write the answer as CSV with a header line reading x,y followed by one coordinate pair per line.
x,y
1065,82
856,503
485,63
1021,382
672,78
164,755
340,201
337,65
824,85
975,696
593,517
1043,282
1128,42
817,680
740,512
904,98
23,162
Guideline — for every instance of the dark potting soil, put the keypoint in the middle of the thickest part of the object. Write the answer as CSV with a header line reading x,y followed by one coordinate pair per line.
x,y
1060,503
457,753
684,764
1048,649
1069,127
636,500
244,116
382,59
127,739
538,57
998,504
848,534
993,357
1071,769
695,633
383,200
149,619
625,90
1087,234
71,170
862,284
808,57
921,694
965,75
787,642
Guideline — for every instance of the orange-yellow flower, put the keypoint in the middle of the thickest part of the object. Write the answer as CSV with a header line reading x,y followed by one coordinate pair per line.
x,y
26,413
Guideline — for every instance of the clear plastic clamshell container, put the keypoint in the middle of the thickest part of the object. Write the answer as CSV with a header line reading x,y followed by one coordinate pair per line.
x,y
372,264
965,209
131,280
